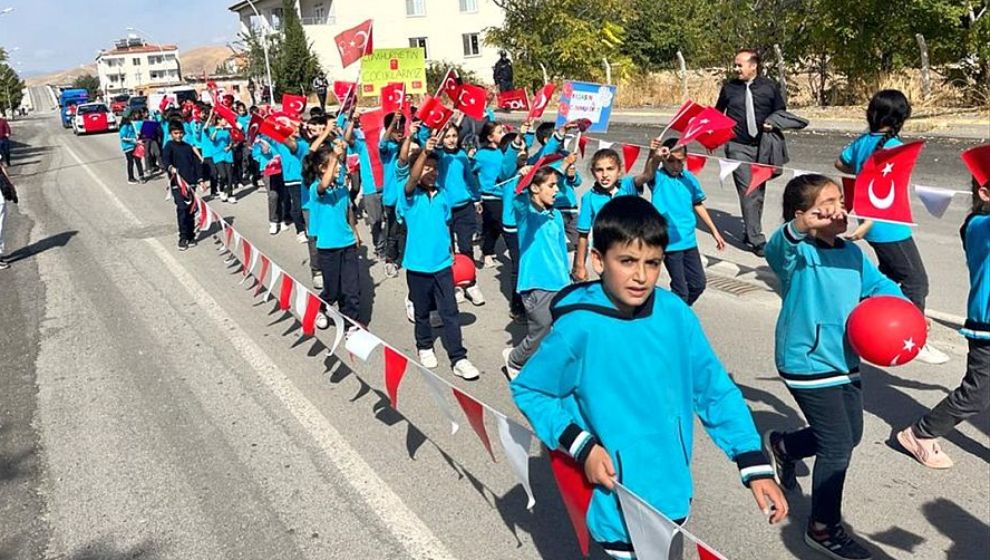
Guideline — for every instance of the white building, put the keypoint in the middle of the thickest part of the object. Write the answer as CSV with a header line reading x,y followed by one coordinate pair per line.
x,y
134,64
449,30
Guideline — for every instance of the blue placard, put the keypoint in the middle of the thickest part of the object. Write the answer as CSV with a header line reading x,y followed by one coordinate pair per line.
x,y
584,100
149,129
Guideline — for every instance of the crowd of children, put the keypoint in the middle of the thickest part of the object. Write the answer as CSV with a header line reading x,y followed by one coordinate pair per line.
x,y
581,360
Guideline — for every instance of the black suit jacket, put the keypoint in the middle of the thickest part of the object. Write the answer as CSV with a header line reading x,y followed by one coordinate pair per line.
x,y
766,101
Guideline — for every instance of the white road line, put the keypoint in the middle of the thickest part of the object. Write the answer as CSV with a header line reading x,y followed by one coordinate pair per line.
x,y
408,529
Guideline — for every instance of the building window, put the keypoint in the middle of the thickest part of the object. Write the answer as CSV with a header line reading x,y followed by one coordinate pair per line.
x,y
136,61
319,13
276,18
415,8
421,43
469,6
472,45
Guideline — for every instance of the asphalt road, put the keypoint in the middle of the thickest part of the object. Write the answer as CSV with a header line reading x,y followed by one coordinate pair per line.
x,y
151,408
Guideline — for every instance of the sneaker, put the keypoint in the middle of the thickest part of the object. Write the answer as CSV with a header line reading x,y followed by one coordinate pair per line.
x,y
459,294
301,237
428,359
931,355
466,370
223,197
183,244
192,242
143,179
410,311
834,542
518,317
322,321
4,265
488,262
783,467
510,371
391,270
273,228
435,321
474,295
232,199
927,451
317,281
131,182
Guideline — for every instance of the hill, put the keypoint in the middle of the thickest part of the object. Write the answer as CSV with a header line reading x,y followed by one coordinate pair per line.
x,y
194,62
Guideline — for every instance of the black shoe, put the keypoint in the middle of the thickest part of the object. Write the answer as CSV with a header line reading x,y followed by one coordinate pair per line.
x,y
183,244
192,242
760,250
783,466
834,542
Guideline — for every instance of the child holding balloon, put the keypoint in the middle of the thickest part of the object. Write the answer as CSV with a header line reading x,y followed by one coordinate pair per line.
x,y
815,265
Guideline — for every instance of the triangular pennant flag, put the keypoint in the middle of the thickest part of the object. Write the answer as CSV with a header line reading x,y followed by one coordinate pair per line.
x,y
603,145
726,167
707,553
361,343
695,163
338,327
228,236
285,292
276,274
799,172
629,154
575,490
307,306
882,184
936,200
261,275
977,160
476,417
654,537
395,368
246,261
848,192
759,174
437,390
516,442
582,143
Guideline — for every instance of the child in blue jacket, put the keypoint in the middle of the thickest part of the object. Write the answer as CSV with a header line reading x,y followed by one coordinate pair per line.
x,y
389,148
822,278
973,394
594,388
128,143
457,181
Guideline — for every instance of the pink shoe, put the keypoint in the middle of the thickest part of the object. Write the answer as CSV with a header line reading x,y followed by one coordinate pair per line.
x,y
926,451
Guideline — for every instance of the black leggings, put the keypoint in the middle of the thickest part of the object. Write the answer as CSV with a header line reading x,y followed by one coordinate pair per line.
x,y
901,262
131,162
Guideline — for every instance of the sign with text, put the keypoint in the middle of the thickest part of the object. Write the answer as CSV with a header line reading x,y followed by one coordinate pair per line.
x,y
393,65
584,100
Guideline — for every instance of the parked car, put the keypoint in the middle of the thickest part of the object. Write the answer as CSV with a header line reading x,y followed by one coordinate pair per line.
x,y
119,103
93,117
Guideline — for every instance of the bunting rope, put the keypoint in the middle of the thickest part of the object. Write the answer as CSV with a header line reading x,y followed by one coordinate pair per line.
x,y
361,342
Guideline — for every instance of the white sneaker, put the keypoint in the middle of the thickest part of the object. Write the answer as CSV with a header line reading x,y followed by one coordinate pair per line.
x,y
223,197
322,321
931,355
459,294
391,270
301,237
232,199
474,294
428,359
435,321
509,370
410,311
489,261
273,228
318,281
466,370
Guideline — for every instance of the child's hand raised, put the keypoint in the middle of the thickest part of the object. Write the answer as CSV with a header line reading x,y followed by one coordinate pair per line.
x,y
431,143
598,468
822,216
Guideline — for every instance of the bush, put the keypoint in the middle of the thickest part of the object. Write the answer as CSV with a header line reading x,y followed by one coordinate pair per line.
x,y
436,70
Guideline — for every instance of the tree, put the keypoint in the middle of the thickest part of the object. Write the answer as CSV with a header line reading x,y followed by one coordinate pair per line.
x,y
254,44
88,82
11,88
297,65
436,71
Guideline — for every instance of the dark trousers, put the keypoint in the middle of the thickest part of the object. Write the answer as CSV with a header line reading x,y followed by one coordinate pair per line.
x,y
901,262
249,168
341,284
687,274
835,427
276,192
185,219
131,162
752,204
314,255
516,306
237,169
971,397
322,96
491,225
463,225
295,200
5,150
210,174
425,292
570,229
374,216
223,177
395,236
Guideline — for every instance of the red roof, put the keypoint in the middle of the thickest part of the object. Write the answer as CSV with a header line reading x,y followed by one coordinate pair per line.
x,y
141,49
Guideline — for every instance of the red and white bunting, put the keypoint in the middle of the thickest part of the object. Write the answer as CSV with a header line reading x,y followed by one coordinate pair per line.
x,y
285,292
307,306
395,369
476,417
759,175
576,492
260,278
653,535
438,391
516,442
630,153
361,343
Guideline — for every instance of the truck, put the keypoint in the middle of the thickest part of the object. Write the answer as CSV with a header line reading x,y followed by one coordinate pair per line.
x,y
68,100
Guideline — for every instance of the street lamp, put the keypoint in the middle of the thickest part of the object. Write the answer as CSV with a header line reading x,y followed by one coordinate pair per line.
x,y
264,46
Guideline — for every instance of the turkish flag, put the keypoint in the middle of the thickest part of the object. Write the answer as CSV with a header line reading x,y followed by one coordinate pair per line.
x,y
293,104
164,103
433,114
715,139
276,129
709,121
476,417
354,43
274,167
253,128
395,368
450,85
513,100
978,161
881,191
393,95
683,116
372,123
228,114
630,152
528,177
342,90
696,163
758,175
471,100
576,493
540,100
95,122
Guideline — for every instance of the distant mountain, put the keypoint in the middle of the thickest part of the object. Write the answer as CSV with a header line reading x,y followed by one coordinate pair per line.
x,y
194,62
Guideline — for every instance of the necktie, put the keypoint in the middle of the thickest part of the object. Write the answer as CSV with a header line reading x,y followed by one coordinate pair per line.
x,y
750,112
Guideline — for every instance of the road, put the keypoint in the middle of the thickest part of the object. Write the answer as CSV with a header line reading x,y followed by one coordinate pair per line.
x,y
151,408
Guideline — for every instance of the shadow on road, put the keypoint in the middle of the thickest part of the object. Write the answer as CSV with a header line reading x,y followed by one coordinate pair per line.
x,y
104,549
50,242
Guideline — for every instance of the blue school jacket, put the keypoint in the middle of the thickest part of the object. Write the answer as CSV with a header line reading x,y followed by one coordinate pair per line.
x,y
819,285
291,161
543,262
219,144
566,200
633,384
976,243
855,155
596,197
491,166
128,137
389,151
427,218
675,199
456,178
328,216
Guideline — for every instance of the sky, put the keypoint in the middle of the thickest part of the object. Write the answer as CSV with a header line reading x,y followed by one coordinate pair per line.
x,y
42,36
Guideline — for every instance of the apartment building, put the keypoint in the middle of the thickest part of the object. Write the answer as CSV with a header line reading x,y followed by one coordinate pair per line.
x,y
134,63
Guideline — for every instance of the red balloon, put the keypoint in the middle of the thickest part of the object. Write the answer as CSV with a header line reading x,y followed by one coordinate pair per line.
x,y
887,330
464,271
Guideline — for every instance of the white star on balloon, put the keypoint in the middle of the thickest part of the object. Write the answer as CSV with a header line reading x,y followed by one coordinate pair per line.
x,y
909,344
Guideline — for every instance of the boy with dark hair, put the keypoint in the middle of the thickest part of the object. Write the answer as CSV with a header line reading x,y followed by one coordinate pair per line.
x,y
183,167
591,391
